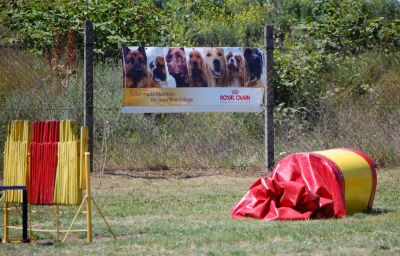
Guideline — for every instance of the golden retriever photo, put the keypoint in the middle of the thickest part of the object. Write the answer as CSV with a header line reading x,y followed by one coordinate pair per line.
x,y
197,68
236,68
136,74
216,63
176,63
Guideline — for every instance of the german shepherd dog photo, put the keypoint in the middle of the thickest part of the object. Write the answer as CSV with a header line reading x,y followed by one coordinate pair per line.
x,y
135,69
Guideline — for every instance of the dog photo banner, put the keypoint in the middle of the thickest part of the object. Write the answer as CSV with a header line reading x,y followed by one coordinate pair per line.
x,y
197,79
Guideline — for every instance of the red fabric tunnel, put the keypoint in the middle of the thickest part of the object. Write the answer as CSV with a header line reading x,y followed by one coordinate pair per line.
x,y
302,186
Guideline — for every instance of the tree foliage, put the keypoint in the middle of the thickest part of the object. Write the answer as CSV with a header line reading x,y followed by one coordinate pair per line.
x,y
308,34
115,22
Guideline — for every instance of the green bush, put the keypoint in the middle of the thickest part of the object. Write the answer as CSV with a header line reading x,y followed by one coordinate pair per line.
x,y
350,27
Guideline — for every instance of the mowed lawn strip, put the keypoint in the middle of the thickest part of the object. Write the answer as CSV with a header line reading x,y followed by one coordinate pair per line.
x,y
192,217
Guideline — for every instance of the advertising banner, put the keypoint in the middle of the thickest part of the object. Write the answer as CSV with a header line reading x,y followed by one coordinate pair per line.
x,y
206,79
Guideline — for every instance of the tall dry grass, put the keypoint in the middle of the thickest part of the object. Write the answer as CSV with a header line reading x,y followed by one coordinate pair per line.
x,y
360,108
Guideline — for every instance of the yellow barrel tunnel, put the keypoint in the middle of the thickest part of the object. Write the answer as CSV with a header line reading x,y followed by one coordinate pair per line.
x,y
360,178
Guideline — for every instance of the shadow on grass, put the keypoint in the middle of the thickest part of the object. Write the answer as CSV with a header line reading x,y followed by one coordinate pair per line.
x,y
181,173
379,211
374,211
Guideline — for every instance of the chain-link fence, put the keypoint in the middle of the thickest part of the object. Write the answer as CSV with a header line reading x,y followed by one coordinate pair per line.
x,y
33,89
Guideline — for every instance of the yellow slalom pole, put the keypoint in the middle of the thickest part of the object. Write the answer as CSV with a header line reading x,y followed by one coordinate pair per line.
x,y
83,149
73,221
104,218
88,199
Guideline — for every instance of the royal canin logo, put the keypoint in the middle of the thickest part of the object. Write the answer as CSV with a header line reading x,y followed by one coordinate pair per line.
x,y
235,96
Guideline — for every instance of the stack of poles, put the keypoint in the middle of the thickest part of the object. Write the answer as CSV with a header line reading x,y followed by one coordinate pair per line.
x,y
59,165
43,162
16,152
67,188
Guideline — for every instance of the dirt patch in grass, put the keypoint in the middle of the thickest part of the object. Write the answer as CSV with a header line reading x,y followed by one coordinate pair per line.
x,y
164,172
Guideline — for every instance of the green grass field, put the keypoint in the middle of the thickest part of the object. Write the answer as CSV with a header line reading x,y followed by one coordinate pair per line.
x,y
191,216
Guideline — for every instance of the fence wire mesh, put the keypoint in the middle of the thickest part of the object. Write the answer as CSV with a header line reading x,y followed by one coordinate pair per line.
x,y
33,89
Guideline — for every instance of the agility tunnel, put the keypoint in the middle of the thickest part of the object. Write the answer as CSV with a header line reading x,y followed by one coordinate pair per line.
x,y
312,185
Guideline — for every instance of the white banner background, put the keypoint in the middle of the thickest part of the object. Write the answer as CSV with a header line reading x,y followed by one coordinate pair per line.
x,y
197,100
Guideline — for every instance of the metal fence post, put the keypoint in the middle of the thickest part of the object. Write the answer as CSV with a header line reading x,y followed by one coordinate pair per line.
x,y
25,216
88,87
269,98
